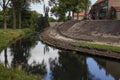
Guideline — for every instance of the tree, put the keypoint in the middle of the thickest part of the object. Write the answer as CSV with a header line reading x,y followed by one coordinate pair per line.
x,y
17,6
61,7
86,8
13,3
4,4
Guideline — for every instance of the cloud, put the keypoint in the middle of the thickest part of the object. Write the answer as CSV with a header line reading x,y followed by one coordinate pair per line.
x,y
39,6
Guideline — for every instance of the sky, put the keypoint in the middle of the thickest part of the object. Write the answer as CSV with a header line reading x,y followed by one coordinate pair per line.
x,y
39,7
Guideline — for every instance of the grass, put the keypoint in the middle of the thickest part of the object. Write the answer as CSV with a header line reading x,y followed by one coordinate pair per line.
x,y
6,37
100,46
15,74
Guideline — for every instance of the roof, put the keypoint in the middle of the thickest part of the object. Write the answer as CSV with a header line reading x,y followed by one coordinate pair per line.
x,y
117,8
98,1
80,14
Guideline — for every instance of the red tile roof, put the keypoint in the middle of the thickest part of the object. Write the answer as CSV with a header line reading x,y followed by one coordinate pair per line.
x,y
80,14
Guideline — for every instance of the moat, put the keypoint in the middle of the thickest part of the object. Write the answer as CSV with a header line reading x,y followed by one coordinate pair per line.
x,y
36,57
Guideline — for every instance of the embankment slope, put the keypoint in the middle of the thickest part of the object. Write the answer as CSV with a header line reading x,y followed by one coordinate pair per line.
x,y
101,38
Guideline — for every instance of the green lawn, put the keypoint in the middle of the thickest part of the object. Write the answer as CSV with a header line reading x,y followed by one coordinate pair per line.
x,y
6,37
100,46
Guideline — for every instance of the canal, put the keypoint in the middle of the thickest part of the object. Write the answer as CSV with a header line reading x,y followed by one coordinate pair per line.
x,y
35,57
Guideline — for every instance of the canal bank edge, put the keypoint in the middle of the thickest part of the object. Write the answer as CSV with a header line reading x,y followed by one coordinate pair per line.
x,y
10,36
52,36
15,74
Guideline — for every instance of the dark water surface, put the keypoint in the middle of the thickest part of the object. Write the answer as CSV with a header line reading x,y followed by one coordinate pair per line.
x,y
31,55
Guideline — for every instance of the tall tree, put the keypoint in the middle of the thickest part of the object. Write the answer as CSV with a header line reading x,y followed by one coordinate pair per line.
x,y
4,4
20,5
13,3
86,8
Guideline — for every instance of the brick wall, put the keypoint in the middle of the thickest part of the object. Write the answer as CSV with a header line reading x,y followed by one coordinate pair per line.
x,y
118,15
113,3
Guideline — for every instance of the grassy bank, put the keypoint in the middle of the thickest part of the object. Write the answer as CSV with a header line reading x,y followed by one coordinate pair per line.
x,y
6,37
100,46
15,74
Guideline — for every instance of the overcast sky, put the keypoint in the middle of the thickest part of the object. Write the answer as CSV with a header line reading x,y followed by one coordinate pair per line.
x,y
39,7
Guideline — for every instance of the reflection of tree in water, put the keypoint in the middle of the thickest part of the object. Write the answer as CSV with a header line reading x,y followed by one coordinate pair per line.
x,y
6,60
70,67
21,53
37,68
46,48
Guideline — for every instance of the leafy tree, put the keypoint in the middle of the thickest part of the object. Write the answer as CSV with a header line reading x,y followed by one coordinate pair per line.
x,y
61,7
17,6
4,4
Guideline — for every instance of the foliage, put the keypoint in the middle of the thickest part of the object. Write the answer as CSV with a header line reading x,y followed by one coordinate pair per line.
x,y
50,19
14,10
42,23
61,7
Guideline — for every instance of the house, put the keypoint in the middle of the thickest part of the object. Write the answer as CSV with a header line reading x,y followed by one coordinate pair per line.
x,y
79,16
106,9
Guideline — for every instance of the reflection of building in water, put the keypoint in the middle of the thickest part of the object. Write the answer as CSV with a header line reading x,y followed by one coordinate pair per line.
x,y
112,68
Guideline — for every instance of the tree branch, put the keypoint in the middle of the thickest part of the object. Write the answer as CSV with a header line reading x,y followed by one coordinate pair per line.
x,y
7,2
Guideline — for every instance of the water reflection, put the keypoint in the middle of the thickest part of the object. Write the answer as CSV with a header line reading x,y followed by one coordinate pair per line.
x,y
70,67
37,58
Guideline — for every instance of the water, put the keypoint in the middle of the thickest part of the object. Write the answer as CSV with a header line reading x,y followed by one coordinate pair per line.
x,y
35,57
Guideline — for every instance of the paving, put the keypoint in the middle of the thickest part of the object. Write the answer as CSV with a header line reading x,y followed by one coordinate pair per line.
x,y
68,35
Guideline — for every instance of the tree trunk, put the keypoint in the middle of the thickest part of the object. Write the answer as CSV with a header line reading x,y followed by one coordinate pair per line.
x,y
69,14
20,20
77,15
4,19
73,15
14,17
86,10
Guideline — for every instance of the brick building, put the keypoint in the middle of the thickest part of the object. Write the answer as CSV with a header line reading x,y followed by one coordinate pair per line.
x,y
106,9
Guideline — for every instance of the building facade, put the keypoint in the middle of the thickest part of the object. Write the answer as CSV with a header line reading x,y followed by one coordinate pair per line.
x,y
79,16
105,9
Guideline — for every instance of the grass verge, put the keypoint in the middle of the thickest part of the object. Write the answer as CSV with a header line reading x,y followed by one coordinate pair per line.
x,y
100,46
15,74
9,35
